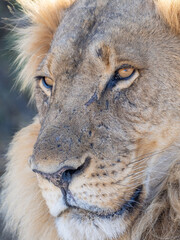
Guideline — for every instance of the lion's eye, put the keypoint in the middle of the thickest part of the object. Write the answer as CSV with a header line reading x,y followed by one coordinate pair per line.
x,y
123,77
46,84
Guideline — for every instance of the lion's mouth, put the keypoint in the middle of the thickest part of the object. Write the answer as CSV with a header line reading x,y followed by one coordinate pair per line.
x,y
127,207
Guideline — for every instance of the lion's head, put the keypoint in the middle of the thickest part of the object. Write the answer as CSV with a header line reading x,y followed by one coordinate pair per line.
x,y
107,91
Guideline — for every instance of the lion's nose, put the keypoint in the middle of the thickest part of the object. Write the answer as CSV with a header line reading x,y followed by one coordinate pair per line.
x,y
63,176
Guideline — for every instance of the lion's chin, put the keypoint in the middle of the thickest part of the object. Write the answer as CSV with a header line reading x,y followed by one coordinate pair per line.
x,y
84,226
90,225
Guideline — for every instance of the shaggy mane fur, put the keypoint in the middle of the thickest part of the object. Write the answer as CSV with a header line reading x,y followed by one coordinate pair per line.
x,y
161,220
170,11
34,222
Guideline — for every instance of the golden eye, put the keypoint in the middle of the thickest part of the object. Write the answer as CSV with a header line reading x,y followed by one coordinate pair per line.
x,y
126,72
46,84
123,77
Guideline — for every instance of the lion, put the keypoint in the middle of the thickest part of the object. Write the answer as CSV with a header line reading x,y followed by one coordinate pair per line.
x,y
101,160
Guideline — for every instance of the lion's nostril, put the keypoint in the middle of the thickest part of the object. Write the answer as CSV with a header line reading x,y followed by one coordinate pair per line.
x,y
69,173
67,176
63,177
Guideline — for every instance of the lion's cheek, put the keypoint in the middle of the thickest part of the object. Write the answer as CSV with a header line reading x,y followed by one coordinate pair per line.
x,y
102,194
96,196
53,197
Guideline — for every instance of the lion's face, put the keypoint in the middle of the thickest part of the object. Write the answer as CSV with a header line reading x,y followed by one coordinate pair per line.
x,y
107,95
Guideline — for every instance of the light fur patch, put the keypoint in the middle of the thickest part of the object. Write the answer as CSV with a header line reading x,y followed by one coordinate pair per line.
x,y
84,229
170,10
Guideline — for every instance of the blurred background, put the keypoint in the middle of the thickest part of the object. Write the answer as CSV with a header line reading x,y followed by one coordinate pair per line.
x,y
15,112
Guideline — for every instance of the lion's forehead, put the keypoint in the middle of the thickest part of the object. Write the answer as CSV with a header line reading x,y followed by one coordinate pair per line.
x,y
91,19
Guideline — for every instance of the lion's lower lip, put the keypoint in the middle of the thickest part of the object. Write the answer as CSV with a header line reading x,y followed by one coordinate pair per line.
x,y
127,207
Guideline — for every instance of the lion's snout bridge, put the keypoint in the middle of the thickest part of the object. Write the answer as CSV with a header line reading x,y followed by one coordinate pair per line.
x,y
64,143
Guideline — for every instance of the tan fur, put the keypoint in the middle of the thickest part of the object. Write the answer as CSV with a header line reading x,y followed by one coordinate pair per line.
x,y
170,11
27,201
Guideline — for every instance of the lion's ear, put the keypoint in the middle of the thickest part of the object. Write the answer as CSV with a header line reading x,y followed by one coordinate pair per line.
x,y
170,11
34,33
